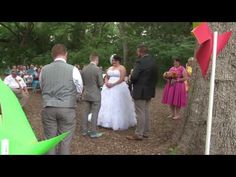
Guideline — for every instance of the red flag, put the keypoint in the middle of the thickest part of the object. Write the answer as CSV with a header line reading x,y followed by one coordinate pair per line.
x,y
204,37
202,33
222,40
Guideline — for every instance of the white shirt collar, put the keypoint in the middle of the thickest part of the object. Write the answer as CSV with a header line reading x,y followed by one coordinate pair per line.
x,y
93,63
17,77
60,59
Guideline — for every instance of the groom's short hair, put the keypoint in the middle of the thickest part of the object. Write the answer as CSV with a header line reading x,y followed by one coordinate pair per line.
x,y
93,56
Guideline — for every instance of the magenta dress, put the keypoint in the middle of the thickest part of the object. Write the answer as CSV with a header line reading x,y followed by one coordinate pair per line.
x,y
175,94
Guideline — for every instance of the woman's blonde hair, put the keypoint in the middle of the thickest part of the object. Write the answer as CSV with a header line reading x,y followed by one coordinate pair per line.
x,y
191,59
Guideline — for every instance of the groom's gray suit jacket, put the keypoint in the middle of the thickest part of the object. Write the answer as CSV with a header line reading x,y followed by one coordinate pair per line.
x,y
93,81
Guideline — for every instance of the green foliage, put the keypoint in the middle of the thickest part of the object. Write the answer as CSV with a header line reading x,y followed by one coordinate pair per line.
x,y
81,57
31,42
42,59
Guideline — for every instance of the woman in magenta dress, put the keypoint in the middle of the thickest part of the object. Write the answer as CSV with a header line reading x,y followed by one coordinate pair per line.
x,y
174,93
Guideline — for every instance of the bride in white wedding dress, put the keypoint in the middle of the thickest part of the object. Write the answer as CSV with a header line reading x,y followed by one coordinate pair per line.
x,y
117,107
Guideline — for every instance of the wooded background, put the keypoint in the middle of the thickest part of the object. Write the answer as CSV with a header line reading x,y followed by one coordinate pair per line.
x,y
31,42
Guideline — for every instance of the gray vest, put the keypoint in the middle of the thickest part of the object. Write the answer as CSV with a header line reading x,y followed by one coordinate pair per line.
x,y
58,88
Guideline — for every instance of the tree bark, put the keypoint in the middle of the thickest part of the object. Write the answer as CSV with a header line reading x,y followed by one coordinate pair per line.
x,y
223,135
12,31
123,36
23,33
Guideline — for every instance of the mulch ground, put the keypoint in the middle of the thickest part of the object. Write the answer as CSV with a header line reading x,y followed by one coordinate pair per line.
x,y
160,142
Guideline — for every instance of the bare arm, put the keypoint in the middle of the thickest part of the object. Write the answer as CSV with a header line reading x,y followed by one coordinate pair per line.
x,y
107,77
23,86
25,90
122,76
185,76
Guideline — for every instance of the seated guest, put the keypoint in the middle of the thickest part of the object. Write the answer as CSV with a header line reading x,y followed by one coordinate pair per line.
x,y
31,70
35,83
18,86
28,79
20,71
24,70
7,71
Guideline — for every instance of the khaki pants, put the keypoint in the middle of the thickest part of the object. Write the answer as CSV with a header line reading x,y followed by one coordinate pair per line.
x,y
142,112
57,121
22,96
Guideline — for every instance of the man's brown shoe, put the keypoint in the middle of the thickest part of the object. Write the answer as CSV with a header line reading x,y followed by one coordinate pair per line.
x,y
134,137
145,136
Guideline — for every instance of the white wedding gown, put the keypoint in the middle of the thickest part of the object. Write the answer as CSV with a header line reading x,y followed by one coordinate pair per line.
x,y
117,107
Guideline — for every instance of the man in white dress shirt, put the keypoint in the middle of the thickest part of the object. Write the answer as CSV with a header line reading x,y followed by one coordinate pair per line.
x,y
18,86
60,83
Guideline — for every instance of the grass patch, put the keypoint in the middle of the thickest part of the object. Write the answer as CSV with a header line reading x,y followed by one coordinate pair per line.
x,y
173,151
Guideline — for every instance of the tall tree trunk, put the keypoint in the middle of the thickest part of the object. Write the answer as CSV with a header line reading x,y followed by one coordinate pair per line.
x,y
223,134
123,35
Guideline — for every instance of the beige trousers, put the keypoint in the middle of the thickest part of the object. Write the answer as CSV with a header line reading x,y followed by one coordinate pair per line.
x,y
22,96
142,112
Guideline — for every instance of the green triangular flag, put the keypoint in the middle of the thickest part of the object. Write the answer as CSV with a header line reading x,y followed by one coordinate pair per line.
x,y
15,127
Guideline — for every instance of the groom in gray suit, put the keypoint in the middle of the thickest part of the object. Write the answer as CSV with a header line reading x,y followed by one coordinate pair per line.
x,y
93,81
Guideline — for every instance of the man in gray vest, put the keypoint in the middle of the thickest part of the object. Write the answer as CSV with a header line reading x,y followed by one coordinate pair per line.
x,y
93,81
60,83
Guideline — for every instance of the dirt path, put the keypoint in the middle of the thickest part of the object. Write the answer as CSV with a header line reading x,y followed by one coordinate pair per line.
x,y
114,142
